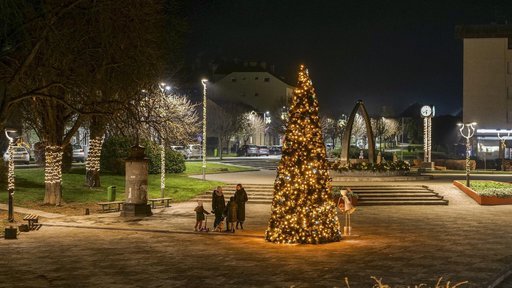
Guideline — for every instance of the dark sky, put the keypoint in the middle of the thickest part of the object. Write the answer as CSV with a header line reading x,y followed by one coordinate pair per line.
x,y
388,53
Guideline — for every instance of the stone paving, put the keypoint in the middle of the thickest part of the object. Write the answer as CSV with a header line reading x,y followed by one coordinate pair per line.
x,y
404,245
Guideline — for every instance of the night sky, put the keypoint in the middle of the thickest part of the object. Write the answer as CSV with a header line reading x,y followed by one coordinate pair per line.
x,y
388,53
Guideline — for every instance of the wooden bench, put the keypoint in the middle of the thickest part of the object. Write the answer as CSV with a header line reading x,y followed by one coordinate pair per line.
x,y
109,207
165,201
32,219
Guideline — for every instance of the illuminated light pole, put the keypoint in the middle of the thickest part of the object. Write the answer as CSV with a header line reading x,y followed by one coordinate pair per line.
x,y
203,81
163,88
10,175
502,147
267,120
467,133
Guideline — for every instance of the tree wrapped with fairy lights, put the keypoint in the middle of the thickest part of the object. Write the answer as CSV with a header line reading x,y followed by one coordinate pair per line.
x,y
302,209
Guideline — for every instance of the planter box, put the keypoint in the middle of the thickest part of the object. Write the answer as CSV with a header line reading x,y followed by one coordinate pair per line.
x,y
333,173
482,200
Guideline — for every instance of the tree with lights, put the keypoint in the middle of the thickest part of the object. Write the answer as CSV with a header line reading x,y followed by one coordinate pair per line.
x,y
302,209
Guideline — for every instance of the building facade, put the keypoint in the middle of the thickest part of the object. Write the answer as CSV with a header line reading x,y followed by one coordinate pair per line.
x,y
254,85
487,85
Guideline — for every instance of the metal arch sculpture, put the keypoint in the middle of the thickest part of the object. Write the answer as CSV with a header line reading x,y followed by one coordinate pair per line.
x,y
345,143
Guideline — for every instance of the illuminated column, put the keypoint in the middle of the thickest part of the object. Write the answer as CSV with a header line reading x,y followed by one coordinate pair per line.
x,y
429,138
10,175
204,127
162,169
468,133
425,139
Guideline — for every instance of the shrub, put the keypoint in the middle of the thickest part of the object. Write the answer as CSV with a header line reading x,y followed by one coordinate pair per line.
x,y
174,161
116,150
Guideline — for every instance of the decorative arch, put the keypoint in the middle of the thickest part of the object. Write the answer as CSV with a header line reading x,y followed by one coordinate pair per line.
x,y
345,143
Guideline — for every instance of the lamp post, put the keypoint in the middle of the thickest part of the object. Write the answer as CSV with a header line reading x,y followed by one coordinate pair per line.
x,y
10,175
467,130
164,88
203,81
503,138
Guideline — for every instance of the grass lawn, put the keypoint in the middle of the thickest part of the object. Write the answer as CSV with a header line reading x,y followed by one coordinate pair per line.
x,y
492,188
30,187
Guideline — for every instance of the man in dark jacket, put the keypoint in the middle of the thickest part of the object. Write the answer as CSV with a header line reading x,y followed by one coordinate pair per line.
x,y
218,205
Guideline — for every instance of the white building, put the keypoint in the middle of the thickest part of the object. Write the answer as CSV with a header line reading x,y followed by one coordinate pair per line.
x,y
487,83
255,85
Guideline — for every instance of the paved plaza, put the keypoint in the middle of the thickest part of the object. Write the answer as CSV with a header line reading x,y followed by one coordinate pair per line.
x,y
403,245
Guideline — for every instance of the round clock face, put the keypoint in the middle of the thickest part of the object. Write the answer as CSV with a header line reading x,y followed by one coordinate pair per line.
x,y
426,111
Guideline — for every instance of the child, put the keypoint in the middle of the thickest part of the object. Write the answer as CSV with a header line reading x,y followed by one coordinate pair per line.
x,y
230,212
199,215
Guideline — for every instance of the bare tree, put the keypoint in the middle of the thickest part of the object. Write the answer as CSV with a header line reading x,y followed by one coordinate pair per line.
x,y
224,122
250,124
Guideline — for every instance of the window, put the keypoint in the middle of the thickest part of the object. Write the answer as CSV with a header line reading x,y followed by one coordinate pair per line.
x,y
233,79
243,78
266,79
256,78
509,67
256,94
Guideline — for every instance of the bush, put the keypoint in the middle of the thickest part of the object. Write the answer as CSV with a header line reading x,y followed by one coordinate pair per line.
x,y
116,150
174,161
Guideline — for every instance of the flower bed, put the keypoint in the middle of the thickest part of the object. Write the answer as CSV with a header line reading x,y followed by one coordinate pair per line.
x,y
371,169
487,192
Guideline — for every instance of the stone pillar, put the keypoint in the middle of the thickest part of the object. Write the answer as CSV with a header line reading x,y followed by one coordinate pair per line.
x,y
136,187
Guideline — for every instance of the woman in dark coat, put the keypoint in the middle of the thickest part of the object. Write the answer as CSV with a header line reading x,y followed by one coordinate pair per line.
x,y
230,212
240,199
218,205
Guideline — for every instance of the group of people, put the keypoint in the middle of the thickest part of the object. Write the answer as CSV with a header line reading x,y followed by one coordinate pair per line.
x,y
233,212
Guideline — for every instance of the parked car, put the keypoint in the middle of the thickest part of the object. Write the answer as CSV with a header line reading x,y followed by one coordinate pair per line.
x,y
248,150
181,150
20,155
276,150
78,153
194,151
263,151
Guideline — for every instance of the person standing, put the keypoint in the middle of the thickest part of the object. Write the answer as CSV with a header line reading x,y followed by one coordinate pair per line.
x,y
240,199
230,212
218,205
200,216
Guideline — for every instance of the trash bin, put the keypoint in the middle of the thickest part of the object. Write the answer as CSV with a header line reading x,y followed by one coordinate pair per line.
x,y
111,193
215,152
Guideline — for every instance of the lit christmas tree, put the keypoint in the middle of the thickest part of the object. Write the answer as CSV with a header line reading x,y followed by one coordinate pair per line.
x,y
302,209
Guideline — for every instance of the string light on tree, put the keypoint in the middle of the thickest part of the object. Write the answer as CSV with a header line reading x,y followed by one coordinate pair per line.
x,y
302,209
162,168
53,158
94,154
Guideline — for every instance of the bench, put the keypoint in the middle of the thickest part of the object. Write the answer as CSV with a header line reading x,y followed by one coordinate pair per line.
x,y
108,206
32,219
165,201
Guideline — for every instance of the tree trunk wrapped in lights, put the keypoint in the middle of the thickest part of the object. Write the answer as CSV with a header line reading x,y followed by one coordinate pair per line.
x,y
53,175
302,209
92,165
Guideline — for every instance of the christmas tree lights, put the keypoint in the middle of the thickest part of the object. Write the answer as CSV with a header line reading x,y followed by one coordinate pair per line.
x,y
53,169
302,209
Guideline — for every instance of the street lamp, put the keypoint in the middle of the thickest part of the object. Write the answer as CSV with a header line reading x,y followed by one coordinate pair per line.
x,y
503,138
267,120
467,130
10,175
164,88
203,81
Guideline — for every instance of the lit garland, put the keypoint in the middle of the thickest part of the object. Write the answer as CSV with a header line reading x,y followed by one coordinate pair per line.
x,y
162,168
94,154
302,209
429,139
425,139
204,126
53,169
10,173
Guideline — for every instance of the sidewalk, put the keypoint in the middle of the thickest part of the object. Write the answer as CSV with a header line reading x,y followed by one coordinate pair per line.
x,y
405,245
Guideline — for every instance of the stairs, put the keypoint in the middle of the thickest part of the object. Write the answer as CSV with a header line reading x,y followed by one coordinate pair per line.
x,y
389,195
375,195
257,193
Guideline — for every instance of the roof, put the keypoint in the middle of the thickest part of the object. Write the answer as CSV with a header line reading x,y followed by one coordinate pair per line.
x,y
226,69
484,31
